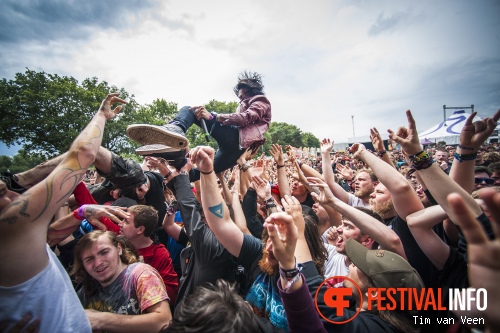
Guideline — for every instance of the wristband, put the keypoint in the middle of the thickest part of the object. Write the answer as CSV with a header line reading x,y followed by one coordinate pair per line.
x,y
270,205
300,164
270,200
464,157
207,173
167,175
381,153
290,283
422,164
279,166
79,213
466,148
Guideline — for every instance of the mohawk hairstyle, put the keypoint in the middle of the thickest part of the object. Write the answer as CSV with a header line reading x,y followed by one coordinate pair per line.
x,y
251,82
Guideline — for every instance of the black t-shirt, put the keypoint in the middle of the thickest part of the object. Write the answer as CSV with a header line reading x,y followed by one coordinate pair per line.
x,y
416,257
155,196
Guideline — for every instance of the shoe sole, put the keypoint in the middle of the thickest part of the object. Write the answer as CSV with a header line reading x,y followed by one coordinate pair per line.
x,y
152,134
155,149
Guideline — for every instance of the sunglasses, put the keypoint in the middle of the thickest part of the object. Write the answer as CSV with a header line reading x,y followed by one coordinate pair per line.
x,y
488,181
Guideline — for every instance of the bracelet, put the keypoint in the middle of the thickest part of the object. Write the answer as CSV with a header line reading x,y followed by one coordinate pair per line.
x,y
381,153
168,174
464,157
422,164
290,283
270,205
466,148
207,173
244,167
79,213
300,164
279,166
421,156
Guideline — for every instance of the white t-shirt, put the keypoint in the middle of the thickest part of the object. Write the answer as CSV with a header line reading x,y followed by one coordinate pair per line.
x,y
48,296
335,263
354,201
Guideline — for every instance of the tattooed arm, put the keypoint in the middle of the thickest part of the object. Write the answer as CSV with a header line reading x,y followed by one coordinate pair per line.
x,y
24,223
215,208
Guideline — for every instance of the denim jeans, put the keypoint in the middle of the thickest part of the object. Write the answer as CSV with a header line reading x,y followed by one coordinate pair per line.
x,y
227,138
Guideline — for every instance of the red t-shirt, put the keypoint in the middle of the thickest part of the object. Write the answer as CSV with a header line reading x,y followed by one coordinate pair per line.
x,y
158,257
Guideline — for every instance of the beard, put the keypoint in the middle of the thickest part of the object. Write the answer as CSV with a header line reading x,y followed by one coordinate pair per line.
x,y
362,193
382,208
267,267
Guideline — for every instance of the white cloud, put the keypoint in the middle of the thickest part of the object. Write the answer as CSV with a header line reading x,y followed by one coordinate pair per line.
x,y
322,61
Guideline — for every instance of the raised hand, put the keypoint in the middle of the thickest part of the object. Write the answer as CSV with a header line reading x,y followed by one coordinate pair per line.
x,y
325,196
474,134
345,171
407,137
378,143
105,107
283,234
326,146
203,157
294,209
356,150
483,253
277,153
262,187
94,212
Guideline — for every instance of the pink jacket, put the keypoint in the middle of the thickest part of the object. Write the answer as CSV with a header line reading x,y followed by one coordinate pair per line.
x,y
253,117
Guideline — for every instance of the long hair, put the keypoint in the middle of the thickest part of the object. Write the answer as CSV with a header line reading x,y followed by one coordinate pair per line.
x,y
251,82
78,272
316,246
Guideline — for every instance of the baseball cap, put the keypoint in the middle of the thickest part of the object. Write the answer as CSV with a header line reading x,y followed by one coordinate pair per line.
x,y
385,268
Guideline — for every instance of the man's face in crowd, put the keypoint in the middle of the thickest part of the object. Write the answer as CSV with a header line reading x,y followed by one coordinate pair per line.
x,y
363,185
102,261
496,176
128,229
298,189
381,201
6,196
268,264
346,231
480,180
441,156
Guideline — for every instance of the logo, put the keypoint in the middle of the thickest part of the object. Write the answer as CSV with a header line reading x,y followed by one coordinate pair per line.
x,y
334,301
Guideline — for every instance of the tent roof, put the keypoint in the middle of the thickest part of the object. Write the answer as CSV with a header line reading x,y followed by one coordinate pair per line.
x,y
451,127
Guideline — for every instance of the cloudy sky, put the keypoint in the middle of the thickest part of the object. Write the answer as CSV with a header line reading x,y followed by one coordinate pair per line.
x,y
323,61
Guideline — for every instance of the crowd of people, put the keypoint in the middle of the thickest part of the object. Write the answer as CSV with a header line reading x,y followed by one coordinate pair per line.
x,y
198,240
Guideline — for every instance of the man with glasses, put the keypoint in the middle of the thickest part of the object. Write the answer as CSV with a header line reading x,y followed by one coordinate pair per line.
x,y
482,178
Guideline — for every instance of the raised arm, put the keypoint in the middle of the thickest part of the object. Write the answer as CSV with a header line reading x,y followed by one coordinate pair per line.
x,y
420,224
472,136
438,182
239,216
338,191
24,223
370,226
216,212
404,197
483,263
278,156
378,145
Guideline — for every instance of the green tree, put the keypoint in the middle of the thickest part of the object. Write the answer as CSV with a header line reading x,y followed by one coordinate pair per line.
x,y
45,112
309,140
20,162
